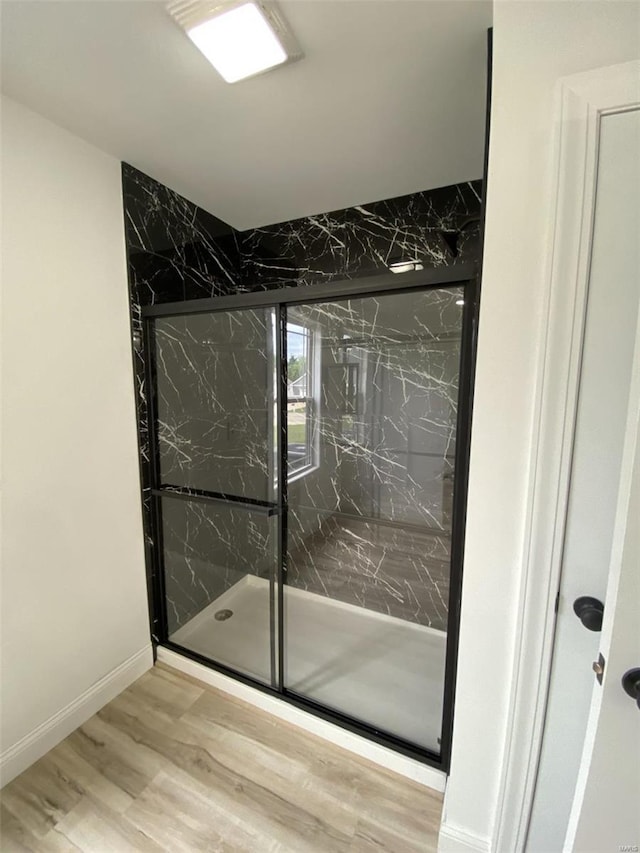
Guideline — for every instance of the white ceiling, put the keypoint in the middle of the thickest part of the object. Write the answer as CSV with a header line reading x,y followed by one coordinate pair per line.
x,y
388,99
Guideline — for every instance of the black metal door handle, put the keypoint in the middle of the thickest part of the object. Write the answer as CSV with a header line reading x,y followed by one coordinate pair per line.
x,y
589,611
631,684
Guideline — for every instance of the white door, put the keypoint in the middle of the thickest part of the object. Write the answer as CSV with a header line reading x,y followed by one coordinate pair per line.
x,y
606,807
596,524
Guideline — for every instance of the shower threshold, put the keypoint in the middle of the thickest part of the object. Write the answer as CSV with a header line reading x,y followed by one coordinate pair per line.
x,y
378,669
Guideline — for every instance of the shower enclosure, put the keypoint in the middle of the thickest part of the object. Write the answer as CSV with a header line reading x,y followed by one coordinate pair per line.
x,y
309,481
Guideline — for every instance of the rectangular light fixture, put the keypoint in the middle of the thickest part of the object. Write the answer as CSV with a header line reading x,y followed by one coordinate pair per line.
x,y
240,39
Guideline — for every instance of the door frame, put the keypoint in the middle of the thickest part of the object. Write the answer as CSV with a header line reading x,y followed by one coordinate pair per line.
x,y
581,102
463,275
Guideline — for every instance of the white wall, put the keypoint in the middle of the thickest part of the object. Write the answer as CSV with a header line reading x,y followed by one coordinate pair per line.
x,y
535,43
74,612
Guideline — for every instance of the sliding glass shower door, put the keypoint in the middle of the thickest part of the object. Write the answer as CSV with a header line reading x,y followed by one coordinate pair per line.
x,y
307,493
217,495
369,545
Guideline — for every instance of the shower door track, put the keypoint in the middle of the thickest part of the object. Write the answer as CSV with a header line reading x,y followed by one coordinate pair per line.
x,y
463,275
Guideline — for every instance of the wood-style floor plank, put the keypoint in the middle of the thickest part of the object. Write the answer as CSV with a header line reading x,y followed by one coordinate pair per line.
x,y
174,765
182,815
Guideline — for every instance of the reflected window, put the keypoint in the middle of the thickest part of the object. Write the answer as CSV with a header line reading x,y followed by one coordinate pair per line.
x,y
351,381
301,403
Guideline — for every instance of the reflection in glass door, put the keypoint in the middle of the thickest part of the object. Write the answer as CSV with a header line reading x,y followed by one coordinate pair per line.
x,y
369,525
215,406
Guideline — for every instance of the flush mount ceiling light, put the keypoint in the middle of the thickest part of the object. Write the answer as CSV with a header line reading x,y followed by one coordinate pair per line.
x,y
240,39
405,266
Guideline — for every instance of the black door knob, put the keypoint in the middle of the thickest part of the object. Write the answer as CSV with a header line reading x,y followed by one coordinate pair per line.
x,y
631,684
589,611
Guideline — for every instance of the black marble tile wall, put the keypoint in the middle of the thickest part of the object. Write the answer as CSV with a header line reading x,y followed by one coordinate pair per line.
x,y
215,402
209,547
364,240
370,522
176,251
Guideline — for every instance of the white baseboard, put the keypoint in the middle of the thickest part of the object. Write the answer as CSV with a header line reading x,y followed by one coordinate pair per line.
x,y
38,742
381,755
452,839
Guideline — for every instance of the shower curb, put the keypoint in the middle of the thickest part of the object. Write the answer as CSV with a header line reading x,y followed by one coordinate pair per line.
x,y
405,766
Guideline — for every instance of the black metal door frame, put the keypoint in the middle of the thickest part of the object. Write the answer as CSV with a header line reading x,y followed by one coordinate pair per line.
x,y
463,275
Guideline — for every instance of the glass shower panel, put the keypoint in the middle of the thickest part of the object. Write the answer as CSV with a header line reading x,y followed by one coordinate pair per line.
x,y
369,526
217,497
215,392
219,569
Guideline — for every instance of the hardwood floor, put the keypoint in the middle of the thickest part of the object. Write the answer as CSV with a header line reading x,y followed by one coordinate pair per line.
x,y
174,765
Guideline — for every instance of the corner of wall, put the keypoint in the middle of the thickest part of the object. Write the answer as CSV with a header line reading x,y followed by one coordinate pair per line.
x,y
46,736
